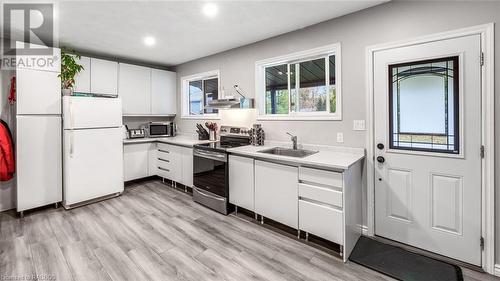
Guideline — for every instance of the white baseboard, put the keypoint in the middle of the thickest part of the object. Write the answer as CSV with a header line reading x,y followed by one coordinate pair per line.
x,y
497,270
364,230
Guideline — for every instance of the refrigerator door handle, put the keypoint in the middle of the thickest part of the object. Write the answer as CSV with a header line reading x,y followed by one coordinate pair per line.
x,y
72,125
71,141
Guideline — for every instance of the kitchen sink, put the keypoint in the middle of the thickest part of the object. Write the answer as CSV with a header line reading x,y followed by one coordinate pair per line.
x,y
300,153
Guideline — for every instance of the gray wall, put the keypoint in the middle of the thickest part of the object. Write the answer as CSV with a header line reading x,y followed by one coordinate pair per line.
x,y
385,23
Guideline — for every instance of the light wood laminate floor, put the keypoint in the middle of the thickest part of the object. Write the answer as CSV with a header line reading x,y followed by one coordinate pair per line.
x,y
154,232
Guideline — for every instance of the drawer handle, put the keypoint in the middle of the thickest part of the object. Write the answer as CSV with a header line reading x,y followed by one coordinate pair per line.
x,y
161,150
163,169
321,185
164,160
321,204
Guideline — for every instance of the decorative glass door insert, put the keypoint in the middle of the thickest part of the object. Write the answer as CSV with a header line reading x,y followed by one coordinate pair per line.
x,y
423,106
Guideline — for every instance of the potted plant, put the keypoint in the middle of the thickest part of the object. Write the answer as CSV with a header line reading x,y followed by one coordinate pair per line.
x,y
69,69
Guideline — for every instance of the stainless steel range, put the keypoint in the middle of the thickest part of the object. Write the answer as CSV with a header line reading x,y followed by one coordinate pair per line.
x,y
210,168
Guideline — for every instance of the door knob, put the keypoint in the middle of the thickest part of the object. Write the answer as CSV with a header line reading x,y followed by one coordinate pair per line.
x,y
380,159
380,146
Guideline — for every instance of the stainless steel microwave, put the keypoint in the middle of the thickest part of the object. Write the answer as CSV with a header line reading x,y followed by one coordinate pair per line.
x,y
161,129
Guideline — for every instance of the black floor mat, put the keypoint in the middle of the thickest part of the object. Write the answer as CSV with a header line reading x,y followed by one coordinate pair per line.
x,y
401,264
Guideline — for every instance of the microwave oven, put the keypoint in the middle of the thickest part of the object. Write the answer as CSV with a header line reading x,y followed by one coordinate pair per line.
x,y
161,129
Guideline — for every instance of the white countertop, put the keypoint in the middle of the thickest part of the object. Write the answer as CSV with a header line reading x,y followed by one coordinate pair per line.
x,y
328,157
187,141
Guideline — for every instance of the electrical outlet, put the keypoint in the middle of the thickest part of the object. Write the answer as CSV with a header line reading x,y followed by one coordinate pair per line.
x,y
340,137
359,125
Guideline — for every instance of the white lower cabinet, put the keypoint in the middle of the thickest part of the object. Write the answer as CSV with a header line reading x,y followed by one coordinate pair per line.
x,y
135,161
241,182
321,202
152,155
168,161
175,163
276,192
187,166
321,220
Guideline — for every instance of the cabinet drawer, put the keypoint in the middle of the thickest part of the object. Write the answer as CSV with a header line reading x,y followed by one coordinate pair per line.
x,y
321,221
163,163
322,194
162,154
165,173
165,152
321,176
165,147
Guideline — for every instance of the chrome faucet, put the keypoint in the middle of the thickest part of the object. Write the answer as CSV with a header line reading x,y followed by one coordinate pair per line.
x,y
294,140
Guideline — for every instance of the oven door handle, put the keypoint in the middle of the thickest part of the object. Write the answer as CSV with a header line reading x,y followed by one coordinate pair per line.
x,y
213,156
208,195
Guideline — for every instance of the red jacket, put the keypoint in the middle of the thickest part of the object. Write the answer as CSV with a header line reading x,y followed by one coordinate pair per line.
x,y
7,160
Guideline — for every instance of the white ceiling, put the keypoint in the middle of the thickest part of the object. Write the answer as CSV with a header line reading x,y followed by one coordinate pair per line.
x,y
182,31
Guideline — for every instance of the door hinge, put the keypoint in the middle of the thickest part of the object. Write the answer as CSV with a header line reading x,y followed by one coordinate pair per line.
x,y
481,242
482,59
482,151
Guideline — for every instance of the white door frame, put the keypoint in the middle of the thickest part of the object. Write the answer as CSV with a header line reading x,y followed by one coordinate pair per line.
x,y
488,131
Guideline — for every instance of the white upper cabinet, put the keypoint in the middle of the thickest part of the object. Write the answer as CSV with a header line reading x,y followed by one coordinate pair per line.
x,y
103,77
82,79
146,91
134,85
163,92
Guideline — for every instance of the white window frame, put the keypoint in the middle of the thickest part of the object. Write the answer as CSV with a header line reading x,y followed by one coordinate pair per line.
x,y
260,83
185,94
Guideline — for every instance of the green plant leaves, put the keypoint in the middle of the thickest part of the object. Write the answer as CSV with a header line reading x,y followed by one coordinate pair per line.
x,y
69,68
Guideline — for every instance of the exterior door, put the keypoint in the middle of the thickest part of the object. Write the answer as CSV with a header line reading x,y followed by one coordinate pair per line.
x,y
427,105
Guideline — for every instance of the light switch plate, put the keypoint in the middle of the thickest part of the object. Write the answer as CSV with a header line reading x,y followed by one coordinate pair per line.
x,y
340,137
359,125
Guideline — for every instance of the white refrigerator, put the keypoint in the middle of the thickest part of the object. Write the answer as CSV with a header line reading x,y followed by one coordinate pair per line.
x,y
38,137
92,149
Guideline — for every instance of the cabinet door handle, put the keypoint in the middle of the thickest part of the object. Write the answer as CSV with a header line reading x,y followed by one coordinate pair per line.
x,y
71,145
164,160
161,150
163,169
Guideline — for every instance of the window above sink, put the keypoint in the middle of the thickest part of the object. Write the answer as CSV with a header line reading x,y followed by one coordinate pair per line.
x,y
300,86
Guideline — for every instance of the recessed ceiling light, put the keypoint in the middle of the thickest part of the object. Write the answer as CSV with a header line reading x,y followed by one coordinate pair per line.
x,y
210,10
149,40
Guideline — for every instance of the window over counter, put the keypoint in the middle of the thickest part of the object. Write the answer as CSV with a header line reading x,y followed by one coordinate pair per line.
x,y
197,91
300,86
